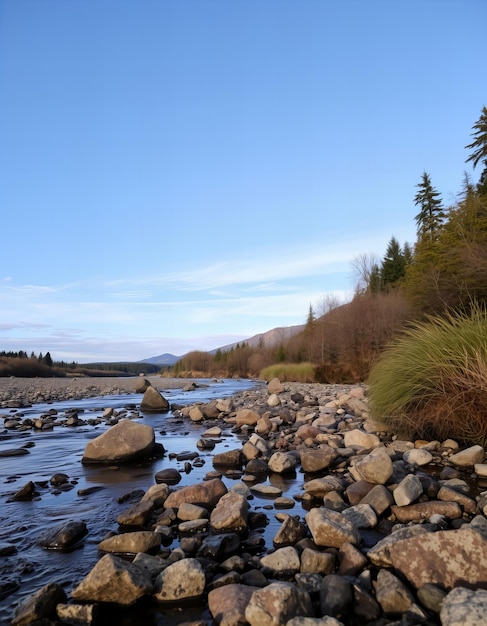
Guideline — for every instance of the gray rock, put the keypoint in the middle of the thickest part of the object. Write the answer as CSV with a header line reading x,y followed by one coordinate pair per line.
x,y
284,560
335,596
132,582
331,529
276,604
418,456
182,580
408,490
464,607
361,516
282,462
468,457
375,467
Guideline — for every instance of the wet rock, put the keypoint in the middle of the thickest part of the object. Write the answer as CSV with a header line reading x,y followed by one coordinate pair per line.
x,y
282,462
157,494
64,536
206,494
137,515
131,543
123,443
39,605
132,582
59,479
14,452
153,401
26,492
182,580
230,458
169,476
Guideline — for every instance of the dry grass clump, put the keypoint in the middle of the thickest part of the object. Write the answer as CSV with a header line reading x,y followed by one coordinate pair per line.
x,y
289,372
432,382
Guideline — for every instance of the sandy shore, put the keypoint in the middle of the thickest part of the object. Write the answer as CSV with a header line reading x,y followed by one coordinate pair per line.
x,y
18,392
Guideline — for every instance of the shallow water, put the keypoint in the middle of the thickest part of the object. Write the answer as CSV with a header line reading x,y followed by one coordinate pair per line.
x,y
61,450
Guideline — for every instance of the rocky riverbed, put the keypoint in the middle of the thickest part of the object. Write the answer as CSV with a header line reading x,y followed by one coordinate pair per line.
x,y
21,392
380,530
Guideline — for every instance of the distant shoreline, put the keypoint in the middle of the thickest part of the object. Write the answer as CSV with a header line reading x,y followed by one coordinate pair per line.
x,y
18,392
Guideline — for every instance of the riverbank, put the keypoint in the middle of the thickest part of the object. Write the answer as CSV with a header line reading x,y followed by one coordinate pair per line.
x,y
21,392
376,531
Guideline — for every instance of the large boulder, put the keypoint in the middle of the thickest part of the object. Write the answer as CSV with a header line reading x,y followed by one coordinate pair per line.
x,y
153,401
123,443
449,558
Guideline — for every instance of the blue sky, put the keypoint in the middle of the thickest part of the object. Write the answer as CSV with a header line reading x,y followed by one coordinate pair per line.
x,y
182,174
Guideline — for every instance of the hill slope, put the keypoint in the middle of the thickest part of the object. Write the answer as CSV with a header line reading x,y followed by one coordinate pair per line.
x,y
268,339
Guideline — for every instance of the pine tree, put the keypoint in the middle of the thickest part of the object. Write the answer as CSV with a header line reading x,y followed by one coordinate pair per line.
x,y
431,215
393,265
479,147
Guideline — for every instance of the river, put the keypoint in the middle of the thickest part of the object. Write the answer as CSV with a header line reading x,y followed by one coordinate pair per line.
x,y
60,449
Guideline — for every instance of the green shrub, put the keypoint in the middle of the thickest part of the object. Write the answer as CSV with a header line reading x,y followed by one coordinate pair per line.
x,y
432,381
289,372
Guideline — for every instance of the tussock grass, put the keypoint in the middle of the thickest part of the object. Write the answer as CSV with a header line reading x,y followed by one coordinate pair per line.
x,y
432,381
289,372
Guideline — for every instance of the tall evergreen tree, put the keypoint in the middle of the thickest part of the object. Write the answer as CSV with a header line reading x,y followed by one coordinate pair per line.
x,y
431,214
393,265
479,147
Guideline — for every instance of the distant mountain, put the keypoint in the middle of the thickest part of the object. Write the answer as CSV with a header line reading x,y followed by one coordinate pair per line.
x,y
162,359
269,339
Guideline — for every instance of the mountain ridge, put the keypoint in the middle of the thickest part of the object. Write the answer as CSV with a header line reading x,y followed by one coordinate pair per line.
x,y
269,339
